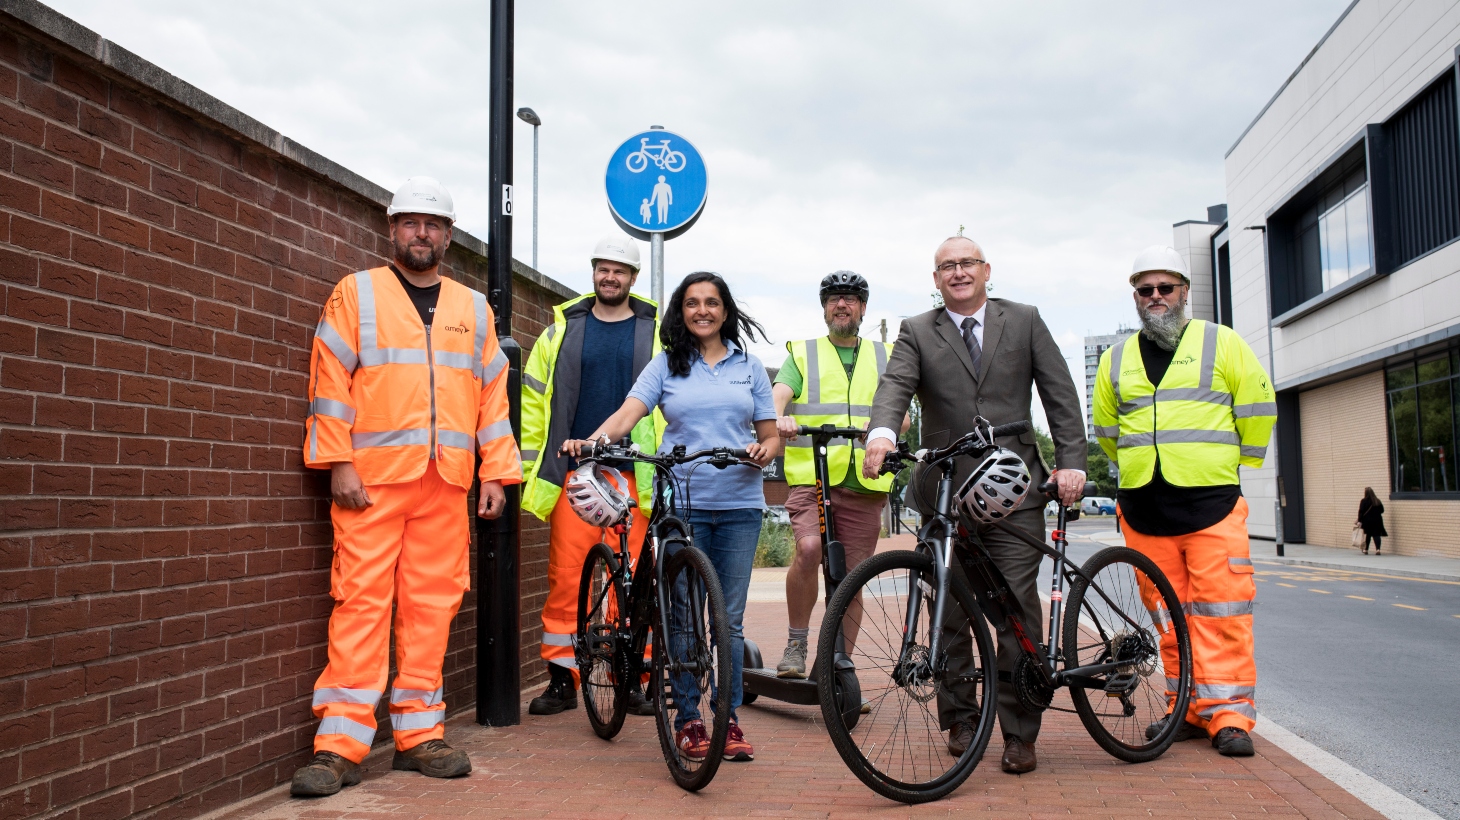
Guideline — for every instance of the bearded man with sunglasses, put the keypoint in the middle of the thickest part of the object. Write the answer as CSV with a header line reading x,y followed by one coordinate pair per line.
x,y
1178,407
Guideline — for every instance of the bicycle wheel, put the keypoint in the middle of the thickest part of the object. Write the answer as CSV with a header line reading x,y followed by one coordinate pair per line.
x,y
900,748
636,162
602,660
673,161
692,664
1128,615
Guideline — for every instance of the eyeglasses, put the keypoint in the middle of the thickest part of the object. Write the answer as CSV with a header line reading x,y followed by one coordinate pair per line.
x,y
1146,290
849,298
966,264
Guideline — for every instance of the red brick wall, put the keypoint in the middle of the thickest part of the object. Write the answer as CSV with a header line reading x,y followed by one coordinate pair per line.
x,y
164,554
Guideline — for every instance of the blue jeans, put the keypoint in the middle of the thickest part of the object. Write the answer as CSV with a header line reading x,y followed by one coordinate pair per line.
x,y
728,537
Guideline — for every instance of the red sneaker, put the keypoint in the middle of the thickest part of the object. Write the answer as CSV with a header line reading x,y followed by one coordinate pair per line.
x,y
736,748
693,741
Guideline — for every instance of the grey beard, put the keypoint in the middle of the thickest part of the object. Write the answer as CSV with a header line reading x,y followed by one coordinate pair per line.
x,y
844,330
1164,328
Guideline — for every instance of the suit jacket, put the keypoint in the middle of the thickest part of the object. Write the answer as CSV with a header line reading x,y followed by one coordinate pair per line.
x,y
931,361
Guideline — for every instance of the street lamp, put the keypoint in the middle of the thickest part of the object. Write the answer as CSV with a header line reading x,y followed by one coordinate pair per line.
x,y
530,117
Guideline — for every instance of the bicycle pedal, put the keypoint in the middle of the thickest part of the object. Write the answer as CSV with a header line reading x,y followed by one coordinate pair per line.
x,y
1120,685
601,641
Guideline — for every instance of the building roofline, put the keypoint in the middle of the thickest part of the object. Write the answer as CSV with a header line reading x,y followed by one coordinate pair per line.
x,y
1290,78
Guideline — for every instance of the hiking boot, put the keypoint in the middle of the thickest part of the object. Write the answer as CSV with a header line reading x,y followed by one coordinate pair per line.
x,y
559,696
1233,742
692,741
793,663
736,748
326,774
432,759
1188,730
640,705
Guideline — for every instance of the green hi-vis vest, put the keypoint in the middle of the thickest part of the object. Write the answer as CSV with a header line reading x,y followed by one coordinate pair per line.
x,y
1213,410
550,383
828,398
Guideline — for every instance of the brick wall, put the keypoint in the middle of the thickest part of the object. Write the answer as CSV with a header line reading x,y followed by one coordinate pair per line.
x,y
164,554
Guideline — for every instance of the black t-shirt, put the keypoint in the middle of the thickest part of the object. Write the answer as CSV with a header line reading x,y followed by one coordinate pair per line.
x,y
1161,508
423,298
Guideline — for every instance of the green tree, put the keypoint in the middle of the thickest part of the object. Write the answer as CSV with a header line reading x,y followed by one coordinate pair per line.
x,y
1046,446
1097,469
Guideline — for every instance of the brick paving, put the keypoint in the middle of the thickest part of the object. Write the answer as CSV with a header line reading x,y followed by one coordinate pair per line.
x,y
556,767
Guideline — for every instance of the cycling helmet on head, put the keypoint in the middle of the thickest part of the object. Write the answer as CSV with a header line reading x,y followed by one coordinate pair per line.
x,y
599,495
844,281
996,488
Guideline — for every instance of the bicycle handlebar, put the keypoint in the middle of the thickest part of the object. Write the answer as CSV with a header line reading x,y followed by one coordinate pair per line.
x,y
981,439
718,456
830,430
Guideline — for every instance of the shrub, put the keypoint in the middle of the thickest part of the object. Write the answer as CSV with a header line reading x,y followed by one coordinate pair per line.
x,y
776,544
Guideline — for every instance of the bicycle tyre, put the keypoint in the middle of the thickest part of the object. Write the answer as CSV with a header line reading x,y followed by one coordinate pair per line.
x,y
1117,571
603,671
702,633
886,578
643,162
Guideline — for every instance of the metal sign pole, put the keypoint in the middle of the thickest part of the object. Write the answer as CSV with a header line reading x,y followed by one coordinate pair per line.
x,y
656,267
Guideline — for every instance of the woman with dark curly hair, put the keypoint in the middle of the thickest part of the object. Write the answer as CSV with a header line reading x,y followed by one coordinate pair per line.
x,y
712,394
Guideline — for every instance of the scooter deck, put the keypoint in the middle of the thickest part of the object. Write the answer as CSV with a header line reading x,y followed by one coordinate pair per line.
x,y
789,690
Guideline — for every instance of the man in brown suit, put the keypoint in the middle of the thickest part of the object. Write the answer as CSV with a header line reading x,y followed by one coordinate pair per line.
x,y
980,357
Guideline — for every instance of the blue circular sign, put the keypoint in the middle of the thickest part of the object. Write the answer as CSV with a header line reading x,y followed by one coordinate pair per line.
x,y
656,183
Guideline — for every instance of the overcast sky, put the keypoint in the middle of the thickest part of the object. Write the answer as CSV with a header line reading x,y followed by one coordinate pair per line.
x,y
838,135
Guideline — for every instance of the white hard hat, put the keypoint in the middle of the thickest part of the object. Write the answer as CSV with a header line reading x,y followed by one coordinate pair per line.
x,y
617,248
422,195
1160,258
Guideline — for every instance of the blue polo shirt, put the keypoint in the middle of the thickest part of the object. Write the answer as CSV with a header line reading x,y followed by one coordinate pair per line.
x,y
712,407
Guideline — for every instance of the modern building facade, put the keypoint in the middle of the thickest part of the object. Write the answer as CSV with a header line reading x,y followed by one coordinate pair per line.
x,y
1094,346
1344,275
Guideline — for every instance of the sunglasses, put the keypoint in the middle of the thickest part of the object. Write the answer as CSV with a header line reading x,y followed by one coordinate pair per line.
x,y
1146,290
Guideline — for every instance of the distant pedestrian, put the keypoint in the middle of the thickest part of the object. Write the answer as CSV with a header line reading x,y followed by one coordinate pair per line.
x,y
1371,518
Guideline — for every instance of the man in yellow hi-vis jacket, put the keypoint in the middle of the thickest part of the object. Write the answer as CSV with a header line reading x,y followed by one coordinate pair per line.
x,y
579,373
1179,406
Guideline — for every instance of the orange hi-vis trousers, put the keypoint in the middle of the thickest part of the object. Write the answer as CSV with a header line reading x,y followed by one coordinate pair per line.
x,y
1211,572
409,548
569,541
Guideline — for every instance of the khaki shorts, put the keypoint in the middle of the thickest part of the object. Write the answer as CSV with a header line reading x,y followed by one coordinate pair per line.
x,y
856,517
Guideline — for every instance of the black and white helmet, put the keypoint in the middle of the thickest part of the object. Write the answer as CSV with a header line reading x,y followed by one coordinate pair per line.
x,y
995,488
599,495
844,281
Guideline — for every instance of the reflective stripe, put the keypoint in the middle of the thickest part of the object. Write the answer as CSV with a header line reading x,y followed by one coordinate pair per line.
x,y
1162,617
552,331
336,725
1179,437
333,409
479,339
494,431
805,441
331,338
1112,431
1225,691
1254,451
1116,351
1176,394
813,373
365,298
1171,684
426,696
462,361
339,694
556,639
1135,440
417,720
881,359
1219,609
1243,709
1247,411
1127,407
529,455
1208,355
495,366
1239,562
451,438
376,356
829,409
390,438
569,662
529,381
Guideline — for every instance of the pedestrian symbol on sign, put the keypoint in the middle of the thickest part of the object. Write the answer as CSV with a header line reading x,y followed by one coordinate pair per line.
x,y
655,182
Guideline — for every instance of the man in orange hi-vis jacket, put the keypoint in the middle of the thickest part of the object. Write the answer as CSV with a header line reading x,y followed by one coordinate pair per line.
x,y
407,385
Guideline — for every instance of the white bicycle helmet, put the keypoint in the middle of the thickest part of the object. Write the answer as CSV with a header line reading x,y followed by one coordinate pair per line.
x,y
996,488
599,495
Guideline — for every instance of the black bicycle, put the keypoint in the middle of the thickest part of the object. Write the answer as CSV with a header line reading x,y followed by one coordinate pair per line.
x,y
671,602
1121,646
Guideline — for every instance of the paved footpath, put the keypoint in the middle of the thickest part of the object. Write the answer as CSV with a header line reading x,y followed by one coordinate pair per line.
x,y
556,767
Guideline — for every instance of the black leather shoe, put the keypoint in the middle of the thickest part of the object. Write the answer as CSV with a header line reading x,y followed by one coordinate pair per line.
x,y
1233,742
1188,730
640,705
326,774
1018,756
559,696
960,737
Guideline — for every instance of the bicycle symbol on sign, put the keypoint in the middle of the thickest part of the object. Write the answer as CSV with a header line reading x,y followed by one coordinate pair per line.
x,y
660,154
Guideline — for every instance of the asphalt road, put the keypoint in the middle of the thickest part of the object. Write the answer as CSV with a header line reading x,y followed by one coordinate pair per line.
x,y
1362,665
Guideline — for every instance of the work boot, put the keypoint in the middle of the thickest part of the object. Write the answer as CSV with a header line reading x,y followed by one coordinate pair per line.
x,y
639,704
559,696
960,737
432,759
1188,730
1233,742
793,663
326,774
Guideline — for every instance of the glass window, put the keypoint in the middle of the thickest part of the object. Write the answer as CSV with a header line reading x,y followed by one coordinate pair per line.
x,y
1437,446
1405,433
1424,425
1343,239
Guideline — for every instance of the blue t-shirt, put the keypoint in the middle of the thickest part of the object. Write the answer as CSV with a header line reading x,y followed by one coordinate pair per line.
x,y
608,372
712,407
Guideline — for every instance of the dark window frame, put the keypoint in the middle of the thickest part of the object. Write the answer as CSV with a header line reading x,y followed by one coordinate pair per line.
x,y
1411,362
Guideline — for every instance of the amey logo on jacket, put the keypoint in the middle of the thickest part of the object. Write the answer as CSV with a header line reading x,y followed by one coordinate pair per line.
x,y
461,328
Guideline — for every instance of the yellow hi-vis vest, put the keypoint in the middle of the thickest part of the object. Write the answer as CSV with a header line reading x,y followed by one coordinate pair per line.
x,y
550,382
1213,410
828,398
